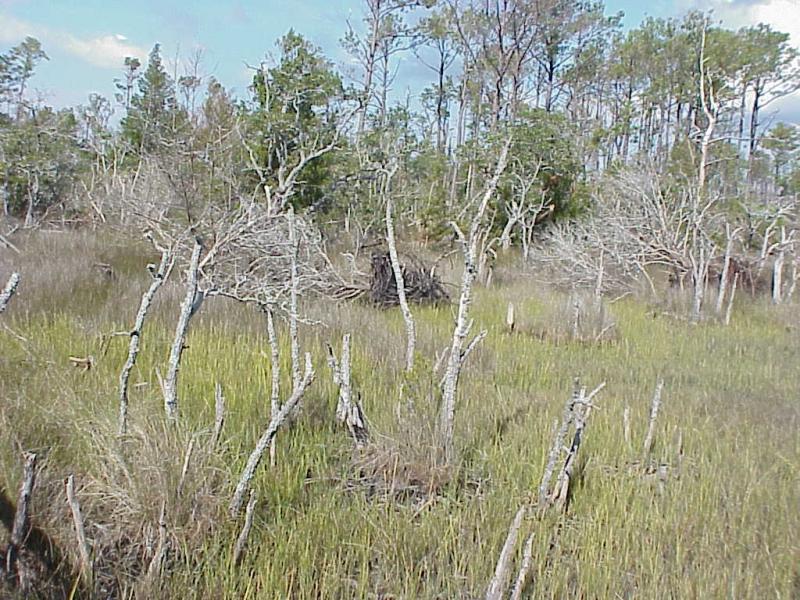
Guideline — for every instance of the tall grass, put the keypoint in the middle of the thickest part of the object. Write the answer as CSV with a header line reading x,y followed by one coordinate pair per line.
x,y
722,522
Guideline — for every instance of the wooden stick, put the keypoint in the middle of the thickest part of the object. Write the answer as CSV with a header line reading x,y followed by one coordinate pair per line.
x,y
655,404
219,415
80,532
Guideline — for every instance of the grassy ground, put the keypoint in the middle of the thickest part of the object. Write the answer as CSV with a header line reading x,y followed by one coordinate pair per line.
x,y
723,523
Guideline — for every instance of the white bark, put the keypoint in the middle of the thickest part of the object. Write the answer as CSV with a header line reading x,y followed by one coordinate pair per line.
x,y
266,438
525,567
726,267
777,270
655,405
408,318
729,310
454,363
295,343
497,585
178,344
159,276
8,291
275,372
219,415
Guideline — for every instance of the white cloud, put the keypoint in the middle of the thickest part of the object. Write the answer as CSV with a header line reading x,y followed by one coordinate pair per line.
x,y
106,51
13,31
782,15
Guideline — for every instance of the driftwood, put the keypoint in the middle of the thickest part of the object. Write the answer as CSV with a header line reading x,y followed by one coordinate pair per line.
x,y
651,425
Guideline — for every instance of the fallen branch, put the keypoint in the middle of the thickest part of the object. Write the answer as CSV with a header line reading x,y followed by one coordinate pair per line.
x,y
654,406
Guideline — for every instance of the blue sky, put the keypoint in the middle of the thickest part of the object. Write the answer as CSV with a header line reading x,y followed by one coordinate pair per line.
x,y
87,40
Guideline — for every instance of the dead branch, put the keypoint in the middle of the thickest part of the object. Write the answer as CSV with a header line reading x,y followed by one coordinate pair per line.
x,y
266,438
241,541
189,307
497,585
159,276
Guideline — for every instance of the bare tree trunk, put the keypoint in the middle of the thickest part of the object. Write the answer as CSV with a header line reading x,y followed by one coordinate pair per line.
x,y
21,524
461,330
266,439
178,344
729,310
655,405
295,343
8,291
159,276
777,270
726,266
275,372
411,337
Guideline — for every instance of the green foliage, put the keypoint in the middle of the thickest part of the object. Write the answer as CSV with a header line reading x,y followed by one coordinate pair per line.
x,y
292,112
154,118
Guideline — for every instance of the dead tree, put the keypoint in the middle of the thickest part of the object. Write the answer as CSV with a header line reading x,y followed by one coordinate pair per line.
x,y
266,439
190,305
159,276
8,291
348,411
21,524
655,405
397,269
469,245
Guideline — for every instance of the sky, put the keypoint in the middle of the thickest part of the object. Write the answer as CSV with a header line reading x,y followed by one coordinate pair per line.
x,y
87,40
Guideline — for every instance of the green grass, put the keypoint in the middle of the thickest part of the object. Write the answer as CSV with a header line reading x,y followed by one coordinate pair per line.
x,y
724,523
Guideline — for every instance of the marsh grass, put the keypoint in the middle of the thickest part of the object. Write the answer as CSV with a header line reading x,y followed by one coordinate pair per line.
x,y
723,523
